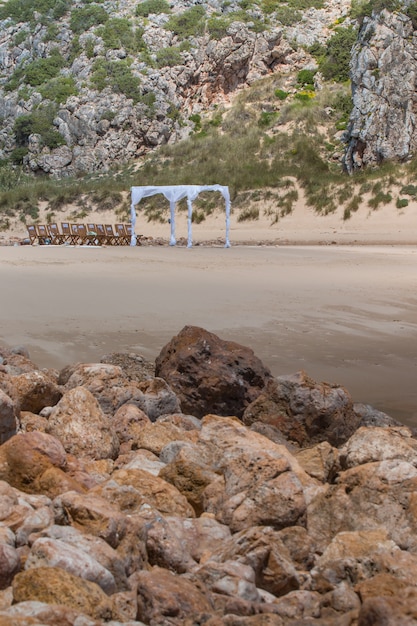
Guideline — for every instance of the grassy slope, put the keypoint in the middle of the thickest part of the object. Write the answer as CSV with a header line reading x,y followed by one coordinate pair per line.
x,y
265,148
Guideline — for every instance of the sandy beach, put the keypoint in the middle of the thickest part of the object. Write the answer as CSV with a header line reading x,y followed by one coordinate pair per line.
x,y
344,314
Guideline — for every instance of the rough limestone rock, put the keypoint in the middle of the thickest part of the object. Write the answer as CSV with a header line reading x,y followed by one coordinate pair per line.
x,y
210,375
25,457
305,412
95,547
164,598
46,552
263,549
135,367
36,390
320,461
390,611
229,578
128,422
200,536
131,488
8,417
379,444
35,522
79,423
41,613
383,66
9,564
262,484
154,437
54,481
107,383
140,459
367,497
91,514
56,586
190,473
157,399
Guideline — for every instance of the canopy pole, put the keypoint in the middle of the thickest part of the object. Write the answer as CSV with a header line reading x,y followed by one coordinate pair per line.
x,y
227,243
133,222
172,241
189,223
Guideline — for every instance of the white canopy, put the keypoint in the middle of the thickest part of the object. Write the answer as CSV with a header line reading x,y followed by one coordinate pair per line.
x,y
174,193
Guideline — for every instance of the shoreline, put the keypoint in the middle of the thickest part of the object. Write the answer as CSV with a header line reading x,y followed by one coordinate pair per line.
x,y
344,314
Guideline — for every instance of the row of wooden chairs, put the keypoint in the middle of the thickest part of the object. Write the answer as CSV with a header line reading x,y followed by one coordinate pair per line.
x,y
80,234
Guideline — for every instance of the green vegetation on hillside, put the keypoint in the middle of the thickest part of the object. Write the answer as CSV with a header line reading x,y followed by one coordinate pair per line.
x,y
262,166
23,10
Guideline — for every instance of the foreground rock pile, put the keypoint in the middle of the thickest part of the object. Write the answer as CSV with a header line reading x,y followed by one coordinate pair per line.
x,y
201,491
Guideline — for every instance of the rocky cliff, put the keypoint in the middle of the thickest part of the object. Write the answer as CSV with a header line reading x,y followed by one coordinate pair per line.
x,y
85,86
383,74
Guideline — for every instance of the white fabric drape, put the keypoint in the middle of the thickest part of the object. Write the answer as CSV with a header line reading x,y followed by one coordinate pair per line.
x,y
174,193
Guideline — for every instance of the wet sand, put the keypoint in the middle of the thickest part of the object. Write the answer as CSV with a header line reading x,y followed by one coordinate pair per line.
x,y
344,314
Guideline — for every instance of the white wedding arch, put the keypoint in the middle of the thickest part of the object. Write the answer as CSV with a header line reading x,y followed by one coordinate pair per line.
x,y
174,193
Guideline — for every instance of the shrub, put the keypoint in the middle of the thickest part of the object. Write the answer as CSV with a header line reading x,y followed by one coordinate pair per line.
x,y
41,70
401,203
18,154
409,190
152,6
251,213
281,94
305,78
335,65
168,57
217,27
21,36
304,96
267,118
198,216
253,23
38,122
85,17
379,198
117,33
189,23
59,89
411,11
361,8
288,16
51,32
23,10
118,76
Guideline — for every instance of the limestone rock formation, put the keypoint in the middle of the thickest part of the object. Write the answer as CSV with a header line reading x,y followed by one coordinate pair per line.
x,y
383,67
111,99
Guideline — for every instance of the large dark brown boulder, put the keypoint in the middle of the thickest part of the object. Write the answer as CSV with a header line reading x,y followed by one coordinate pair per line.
x,y
210,375
304,411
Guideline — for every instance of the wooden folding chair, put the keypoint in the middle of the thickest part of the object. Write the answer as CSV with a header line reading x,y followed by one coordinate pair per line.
x,y
112,240
92,235
44,237
56,237
69,237
124,239
84,238
33,235
101,234
77,234
129,232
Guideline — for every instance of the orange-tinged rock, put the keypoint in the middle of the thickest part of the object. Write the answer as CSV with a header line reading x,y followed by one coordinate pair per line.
x,y
57,586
